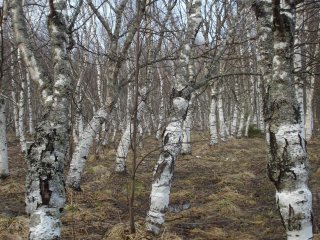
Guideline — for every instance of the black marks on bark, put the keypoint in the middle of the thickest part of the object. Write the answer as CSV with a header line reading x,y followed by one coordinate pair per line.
x,y
45,191
163,164
294,220
166,139
296,113
258,9
279,166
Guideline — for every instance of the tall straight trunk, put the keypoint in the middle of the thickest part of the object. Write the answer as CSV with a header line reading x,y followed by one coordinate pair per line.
x,y
21,107
235,111
297,64
310,85
161,107
241,123
212,115
172,137
222,125
45,192
14,97
288,162
4,166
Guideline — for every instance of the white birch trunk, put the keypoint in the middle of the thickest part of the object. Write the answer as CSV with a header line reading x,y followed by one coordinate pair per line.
x,y
124,144
161,107
81,152
241,123
288,161
22,138
309,108
186,147
14,97
309,118
4,166
172,137
222,124
212,115
297,64
45,191
235,112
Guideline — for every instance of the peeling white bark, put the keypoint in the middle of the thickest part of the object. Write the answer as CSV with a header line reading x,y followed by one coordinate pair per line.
x,y
288,162
45,190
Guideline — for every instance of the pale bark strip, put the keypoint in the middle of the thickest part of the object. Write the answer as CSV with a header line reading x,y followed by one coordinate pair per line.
x,y
161,107
297,64
14,97
213,116
81,152
223,131
30,111
235,111
45,192
186,147
172,137
288,161
123,147
310,84
241,123
4,166
21,107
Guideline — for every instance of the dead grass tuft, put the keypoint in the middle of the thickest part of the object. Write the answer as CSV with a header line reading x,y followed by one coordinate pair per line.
x,y
121,231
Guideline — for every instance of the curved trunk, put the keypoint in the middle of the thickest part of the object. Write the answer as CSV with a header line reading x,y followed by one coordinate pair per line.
x,y
81,152
172,137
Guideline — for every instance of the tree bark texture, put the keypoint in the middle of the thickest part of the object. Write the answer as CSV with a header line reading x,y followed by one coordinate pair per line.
x,y
288,162
45,192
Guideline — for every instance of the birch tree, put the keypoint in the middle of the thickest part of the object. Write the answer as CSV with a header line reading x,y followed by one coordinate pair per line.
x,y
288,162
45,193
172,137
4,166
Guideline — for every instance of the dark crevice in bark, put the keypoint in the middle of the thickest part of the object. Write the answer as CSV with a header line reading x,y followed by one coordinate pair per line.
x,y
45,190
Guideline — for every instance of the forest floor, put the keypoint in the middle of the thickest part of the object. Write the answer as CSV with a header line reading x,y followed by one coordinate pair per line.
x,y
219,192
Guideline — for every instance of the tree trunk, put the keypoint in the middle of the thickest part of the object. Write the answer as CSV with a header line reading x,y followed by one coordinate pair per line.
x,y
288,163
4,166
45,192
212,116
81,152
172,137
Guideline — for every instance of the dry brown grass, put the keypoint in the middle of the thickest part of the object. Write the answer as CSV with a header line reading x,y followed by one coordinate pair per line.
x,y
226,185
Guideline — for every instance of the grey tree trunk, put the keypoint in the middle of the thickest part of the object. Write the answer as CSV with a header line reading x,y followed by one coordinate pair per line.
x,y
4,166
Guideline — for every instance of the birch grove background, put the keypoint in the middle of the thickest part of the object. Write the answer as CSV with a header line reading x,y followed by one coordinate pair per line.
x,y
173,119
